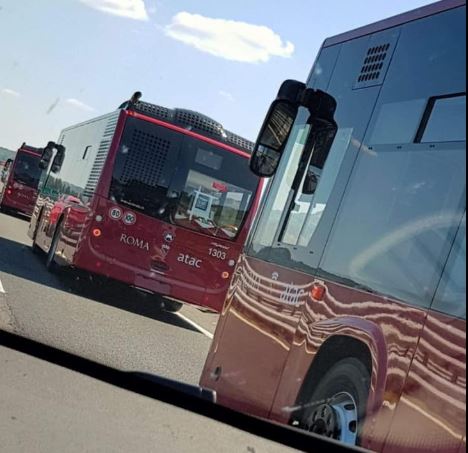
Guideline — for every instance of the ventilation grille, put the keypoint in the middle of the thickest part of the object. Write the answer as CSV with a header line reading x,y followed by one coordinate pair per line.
x,y
375,66
199,122
146,166
101,157
155,111
240,142
196,122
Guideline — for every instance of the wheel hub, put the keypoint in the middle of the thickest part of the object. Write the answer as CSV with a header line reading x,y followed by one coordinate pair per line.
x,y
325,422
336,419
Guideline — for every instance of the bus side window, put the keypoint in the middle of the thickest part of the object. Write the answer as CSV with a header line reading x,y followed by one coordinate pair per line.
x,y
444,120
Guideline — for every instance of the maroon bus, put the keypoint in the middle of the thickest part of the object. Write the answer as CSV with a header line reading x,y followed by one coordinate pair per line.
x,y
156,198
20,180
347,313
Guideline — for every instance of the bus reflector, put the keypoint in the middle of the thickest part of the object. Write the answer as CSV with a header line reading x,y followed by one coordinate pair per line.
x,y
317,292
97,233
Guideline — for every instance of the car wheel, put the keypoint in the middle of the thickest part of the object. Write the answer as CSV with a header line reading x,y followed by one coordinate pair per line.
x,y
338,406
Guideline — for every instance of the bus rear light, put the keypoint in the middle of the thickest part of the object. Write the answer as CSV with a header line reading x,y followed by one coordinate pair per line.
x,y
318,293
9,191
225,275
99,218
97,233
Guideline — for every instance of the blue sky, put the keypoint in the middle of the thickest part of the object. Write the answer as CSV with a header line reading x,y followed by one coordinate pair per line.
x,y
65,61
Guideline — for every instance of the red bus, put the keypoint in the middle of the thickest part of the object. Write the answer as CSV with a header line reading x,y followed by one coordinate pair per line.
x,y
20,180
156,198
347,312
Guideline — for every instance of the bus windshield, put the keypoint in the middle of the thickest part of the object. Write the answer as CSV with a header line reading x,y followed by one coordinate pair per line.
x,y
27,170
182,180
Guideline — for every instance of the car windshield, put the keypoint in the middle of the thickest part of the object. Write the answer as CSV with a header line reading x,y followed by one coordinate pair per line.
x,y
26,170
260,204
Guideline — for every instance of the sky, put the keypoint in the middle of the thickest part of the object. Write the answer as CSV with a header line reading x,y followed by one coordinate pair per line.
x,y
66,61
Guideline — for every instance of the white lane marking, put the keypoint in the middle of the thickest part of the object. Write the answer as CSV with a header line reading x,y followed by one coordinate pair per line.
x,y
2,290
196,326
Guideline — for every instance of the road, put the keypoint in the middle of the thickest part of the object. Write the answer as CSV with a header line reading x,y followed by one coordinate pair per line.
x,y
106,323
45,408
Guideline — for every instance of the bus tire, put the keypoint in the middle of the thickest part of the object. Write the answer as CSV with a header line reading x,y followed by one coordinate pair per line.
x,y
51,264
338,405
34,247
172,306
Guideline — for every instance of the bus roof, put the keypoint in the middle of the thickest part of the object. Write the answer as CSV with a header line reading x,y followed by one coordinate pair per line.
x,y
395,21
30,149
197,122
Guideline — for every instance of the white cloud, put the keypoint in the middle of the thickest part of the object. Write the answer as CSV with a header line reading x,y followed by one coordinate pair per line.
x,y
79,105
232,40
9,92
131,9
226,95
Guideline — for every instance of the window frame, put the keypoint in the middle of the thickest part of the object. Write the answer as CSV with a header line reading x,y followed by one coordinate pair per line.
x,y
430,108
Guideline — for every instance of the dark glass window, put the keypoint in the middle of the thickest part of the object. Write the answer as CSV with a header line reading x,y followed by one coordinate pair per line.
x,y
209,159
398,221
451,295
447,121
398,122
182,180
27,170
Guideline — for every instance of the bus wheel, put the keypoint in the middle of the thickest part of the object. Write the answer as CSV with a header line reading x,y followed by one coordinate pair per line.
x,y
51,265
338,404
171,306
34,247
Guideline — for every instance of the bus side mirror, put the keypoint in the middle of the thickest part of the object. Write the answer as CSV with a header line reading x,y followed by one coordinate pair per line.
x,y
273,138
58,160
47,154
276,129
5,170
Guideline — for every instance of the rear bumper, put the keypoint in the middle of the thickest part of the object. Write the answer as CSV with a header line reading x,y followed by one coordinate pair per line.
x,y
20,208
90,260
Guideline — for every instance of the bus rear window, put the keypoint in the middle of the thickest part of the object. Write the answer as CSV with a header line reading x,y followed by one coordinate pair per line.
x,y
182,180
213,206
209,159
27,171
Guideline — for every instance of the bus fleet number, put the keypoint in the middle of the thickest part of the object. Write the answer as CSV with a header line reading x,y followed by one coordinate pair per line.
x,y
218,254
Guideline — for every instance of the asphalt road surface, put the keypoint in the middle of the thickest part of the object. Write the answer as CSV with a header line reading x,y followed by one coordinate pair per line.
x,y
107,323
45,408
